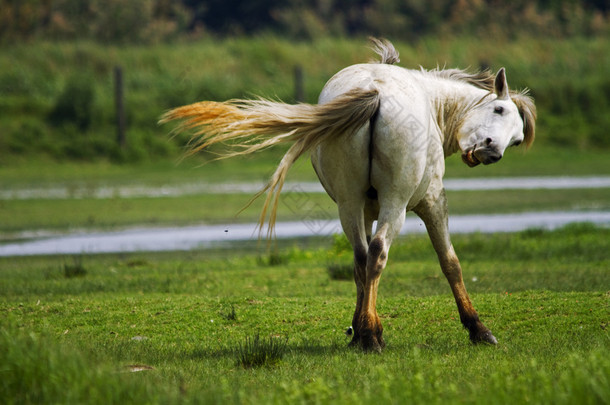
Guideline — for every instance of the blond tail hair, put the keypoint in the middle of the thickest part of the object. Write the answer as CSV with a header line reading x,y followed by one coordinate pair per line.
x,y
247,126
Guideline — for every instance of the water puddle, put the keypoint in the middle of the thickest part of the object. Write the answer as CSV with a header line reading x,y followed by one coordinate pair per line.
x,y
210,236
101,192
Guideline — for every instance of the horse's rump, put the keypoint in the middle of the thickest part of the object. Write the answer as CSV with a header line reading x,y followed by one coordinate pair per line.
x,y
247,126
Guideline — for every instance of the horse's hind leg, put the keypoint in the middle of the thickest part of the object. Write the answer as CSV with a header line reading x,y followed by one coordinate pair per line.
x,y
369,325
433,211
355,228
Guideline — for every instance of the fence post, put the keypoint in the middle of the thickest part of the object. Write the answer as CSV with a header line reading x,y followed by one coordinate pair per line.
x,y
299,88
119,105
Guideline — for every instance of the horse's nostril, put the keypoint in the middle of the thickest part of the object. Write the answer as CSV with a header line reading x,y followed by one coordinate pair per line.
x,y
495,158
488,141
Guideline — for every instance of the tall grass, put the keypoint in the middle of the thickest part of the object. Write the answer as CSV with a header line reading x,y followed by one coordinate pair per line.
x,y
256,351
36,369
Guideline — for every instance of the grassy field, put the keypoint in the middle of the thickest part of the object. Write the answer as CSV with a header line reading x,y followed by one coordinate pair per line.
x,y
76,329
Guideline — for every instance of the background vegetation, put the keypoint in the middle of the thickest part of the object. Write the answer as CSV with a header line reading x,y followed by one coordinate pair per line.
x,y
58,56
57,98
158,20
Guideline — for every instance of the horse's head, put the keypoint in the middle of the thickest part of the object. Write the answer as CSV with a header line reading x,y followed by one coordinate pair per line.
x,y
498,121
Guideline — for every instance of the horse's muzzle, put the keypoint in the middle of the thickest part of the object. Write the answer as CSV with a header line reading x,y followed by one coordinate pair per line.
x,y
487,156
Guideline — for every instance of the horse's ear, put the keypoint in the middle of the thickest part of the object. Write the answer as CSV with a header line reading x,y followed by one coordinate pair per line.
x,y
500,85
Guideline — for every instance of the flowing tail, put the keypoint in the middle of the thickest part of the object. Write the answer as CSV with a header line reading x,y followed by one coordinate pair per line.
x,y
247,126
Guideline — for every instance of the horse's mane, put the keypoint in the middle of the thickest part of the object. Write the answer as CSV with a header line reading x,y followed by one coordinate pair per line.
x,y
389,55
527,109
385,49
483,79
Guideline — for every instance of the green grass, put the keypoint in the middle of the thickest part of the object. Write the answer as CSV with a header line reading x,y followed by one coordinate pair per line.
x,y
111,213
184,316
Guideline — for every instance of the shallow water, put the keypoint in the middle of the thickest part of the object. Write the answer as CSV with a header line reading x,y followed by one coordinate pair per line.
x,y
209,236
98,192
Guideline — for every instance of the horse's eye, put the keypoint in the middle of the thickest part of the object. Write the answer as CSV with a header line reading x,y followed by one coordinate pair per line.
x,y
499,109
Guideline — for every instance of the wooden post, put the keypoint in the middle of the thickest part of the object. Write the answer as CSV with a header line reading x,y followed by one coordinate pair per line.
x,y
119,105
299,88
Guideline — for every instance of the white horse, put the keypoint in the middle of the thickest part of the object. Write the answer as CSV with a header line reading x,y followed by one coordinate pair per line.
x,y
378,139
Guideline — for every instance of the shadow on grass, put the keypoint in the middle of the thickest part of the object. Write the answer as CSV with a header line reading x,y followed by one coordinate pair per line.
x,y
305,347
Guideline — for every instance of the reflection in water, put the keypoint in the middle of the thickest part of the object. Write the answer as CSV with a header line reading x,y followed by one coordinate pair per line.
x,y
168,190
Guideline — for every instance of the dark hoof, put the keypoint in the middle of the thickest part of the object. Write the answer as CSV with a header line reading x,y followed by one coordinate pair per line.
x,y
372,346
484,337
368,343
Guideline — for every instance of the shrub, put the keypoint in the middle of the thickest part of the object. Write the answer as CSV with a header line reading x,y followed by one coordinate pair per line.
x,y
76,269
75,104
272,259
340,271
230,315
27,136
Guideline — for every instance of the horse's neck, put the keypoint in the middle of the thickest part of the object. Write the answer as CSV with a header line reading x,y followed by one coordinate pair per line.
x,y
451,101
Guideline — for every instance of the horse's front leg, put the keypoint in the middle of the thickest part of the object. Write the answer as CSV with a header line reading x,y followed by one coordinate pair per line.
x,y
433,211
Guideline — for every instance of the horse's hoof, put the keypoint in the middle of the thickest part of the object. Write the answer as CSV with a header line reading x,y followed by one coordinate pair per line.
x,y
490,338
484,337
354,342
371,344
372,347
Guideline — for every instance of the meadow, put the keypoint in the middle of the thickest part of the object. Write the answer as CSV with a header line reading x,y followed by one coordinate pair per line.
x,y
175,327
172,328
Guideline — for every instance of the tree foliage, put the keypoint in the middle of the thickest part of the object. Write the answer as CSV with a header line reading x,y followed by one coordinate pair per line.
x,y
155,20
